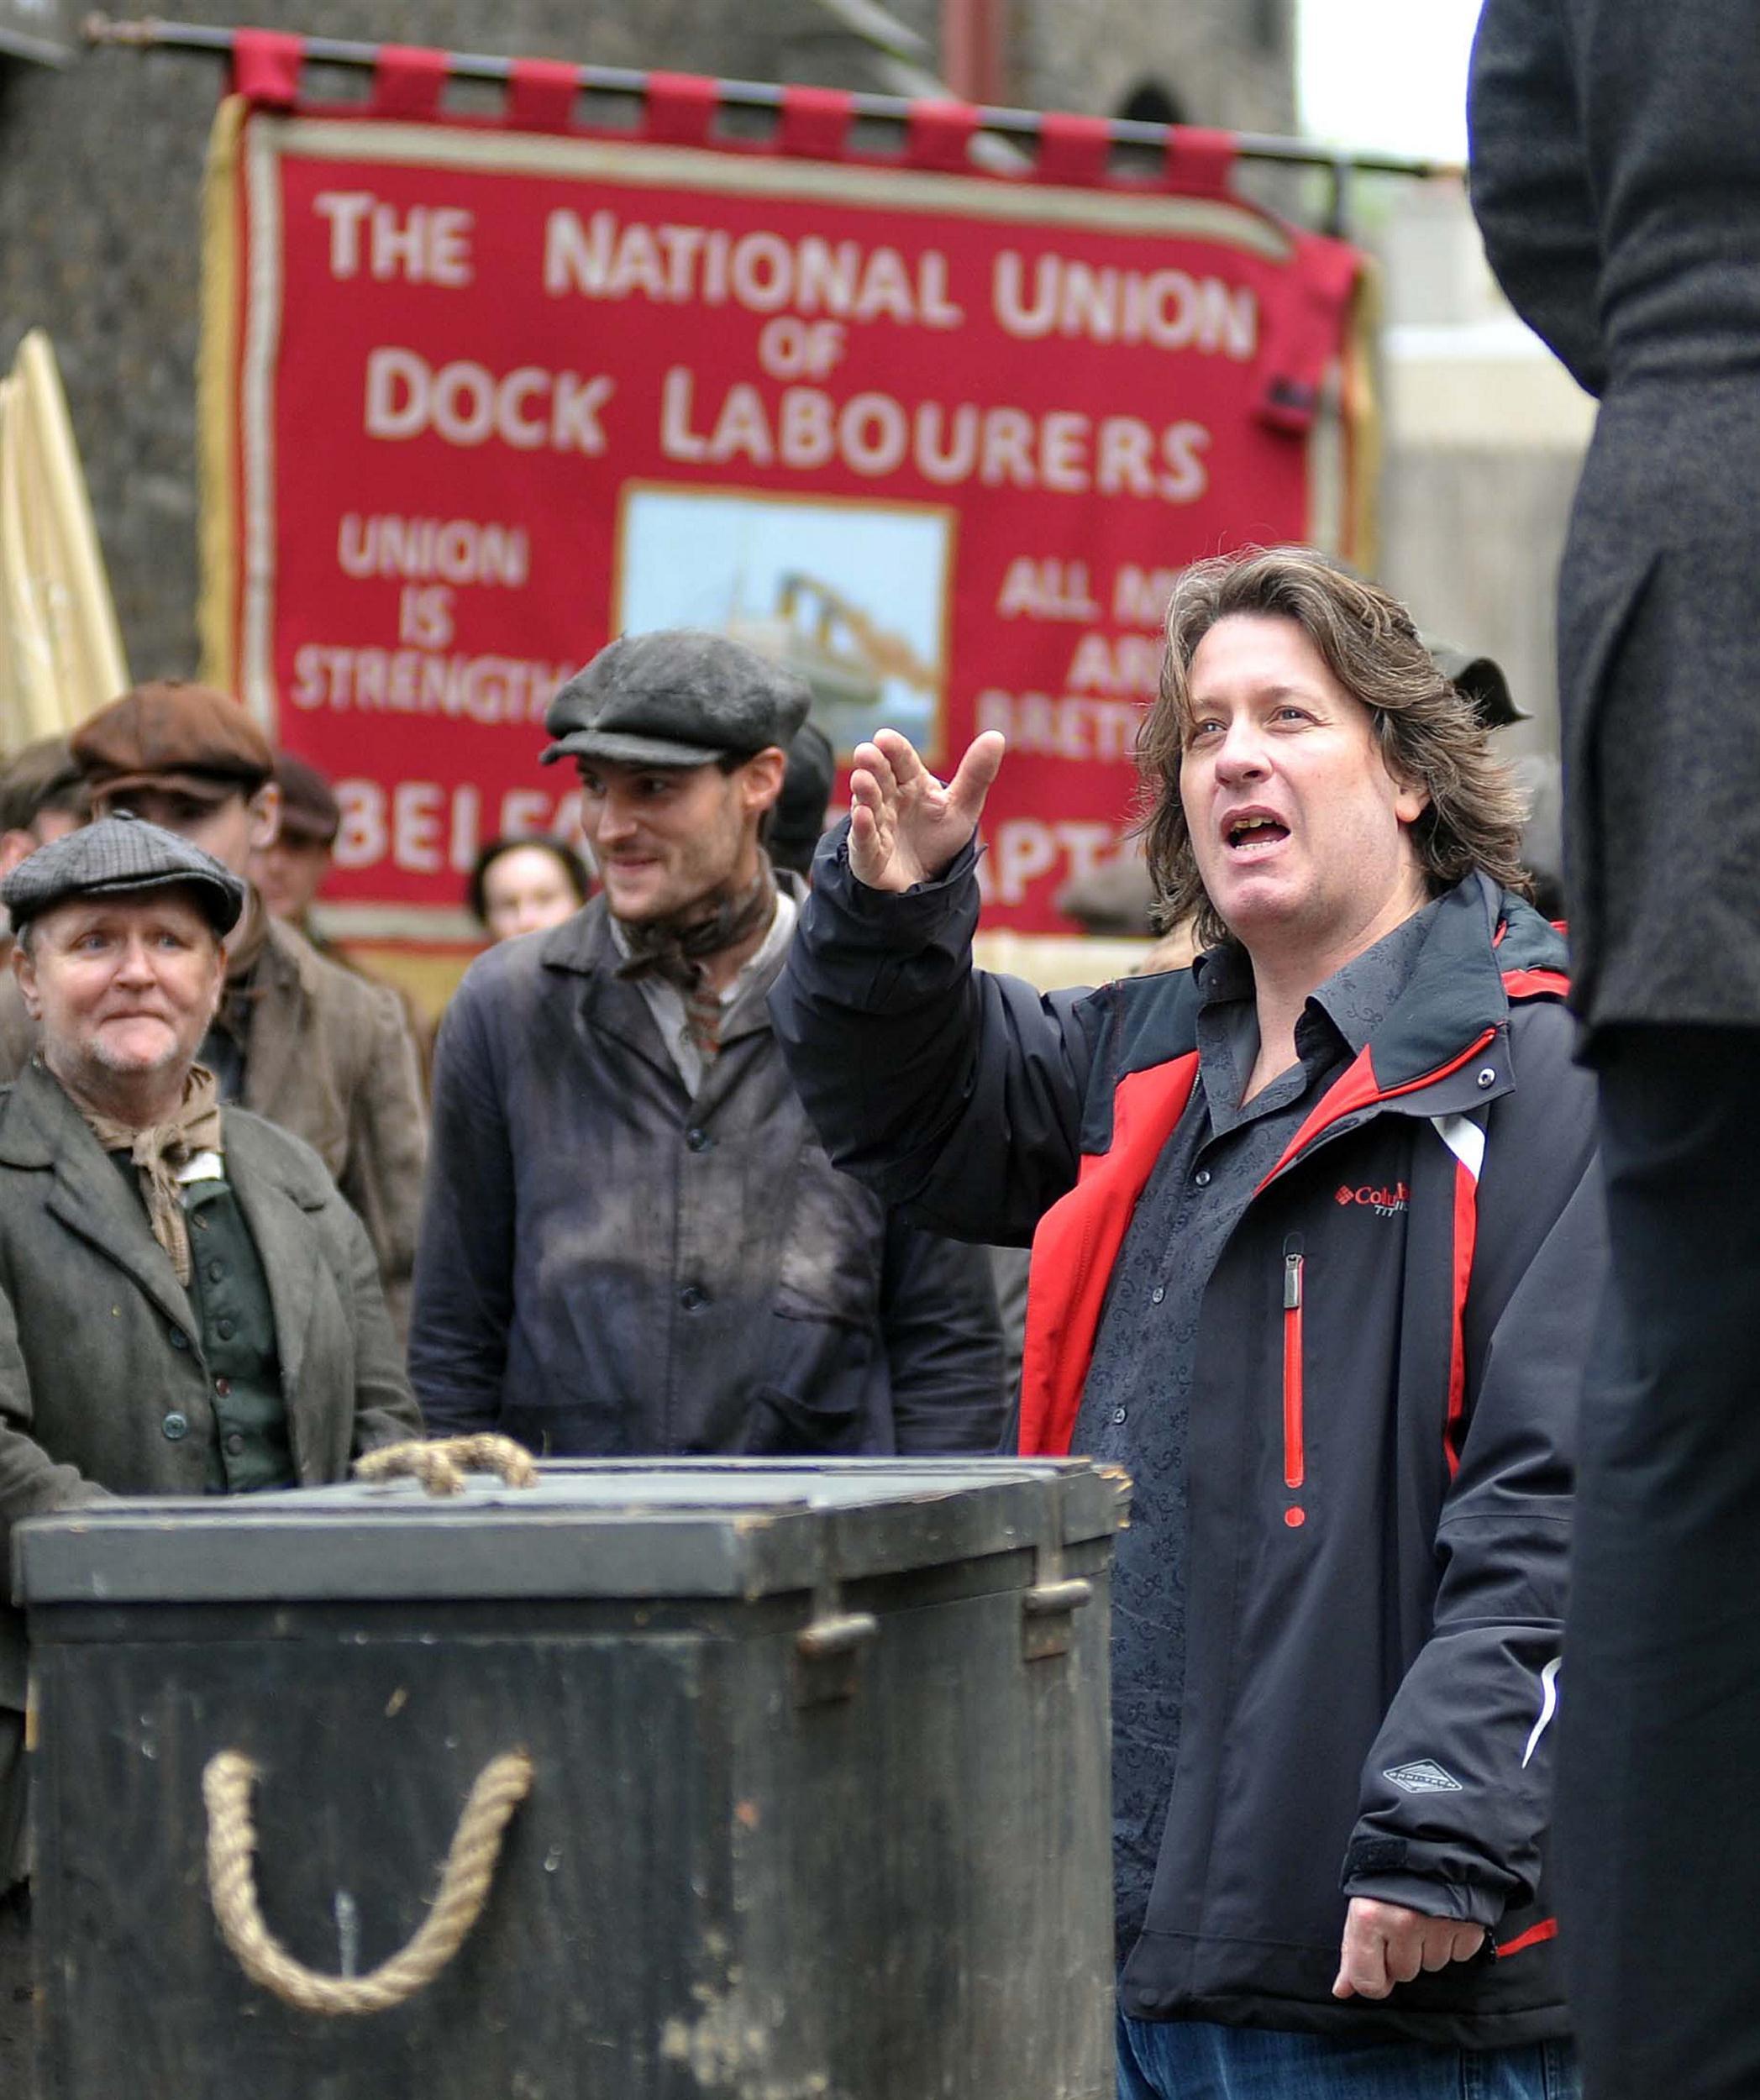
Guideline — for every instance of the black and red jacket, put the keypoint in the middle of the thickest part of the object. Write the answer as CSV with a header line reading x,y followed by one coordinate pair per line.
x,y
1382,1420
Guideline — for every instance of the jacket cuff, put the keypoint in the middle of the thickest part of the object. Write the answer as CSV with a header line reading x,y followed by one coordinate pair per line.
x,y
1464,1902
924,903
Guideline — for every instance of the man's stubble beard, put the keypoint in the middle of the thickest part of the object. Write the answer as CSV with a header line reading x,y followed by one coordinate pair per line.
x,y
717,894
104,1058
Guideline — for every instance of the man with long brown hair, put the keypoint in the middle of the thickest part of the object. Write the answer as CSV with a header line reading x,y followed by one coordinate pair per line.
x,y
1316,1242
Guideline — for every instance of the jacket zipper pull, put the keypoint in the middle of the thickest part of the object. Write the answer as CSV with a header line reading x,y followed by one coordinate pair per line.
x,y
1294,1429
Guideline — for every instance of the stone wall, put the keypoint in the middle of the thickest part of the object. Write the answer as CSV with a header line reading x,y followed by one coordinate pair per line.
x,y
1226,63
1470,540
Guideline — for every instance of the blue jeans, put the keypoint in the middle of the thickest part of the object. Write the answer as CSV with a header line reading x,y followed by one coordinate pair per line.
x,y
1191,2059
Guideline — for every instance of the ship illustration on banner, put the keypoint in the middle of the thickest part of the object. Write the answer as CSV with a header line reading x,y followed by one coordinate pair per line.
x,y
864,624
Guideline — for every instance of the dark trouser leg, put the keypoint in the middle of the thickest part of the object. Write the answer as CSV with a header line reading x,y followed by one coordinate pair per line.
x,y
1659,1794
1180,2060
16,2026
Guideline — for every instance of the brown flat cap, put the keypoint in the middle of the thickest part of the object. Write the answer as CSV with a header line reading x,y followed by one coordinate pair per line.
x,y
311,814
173,734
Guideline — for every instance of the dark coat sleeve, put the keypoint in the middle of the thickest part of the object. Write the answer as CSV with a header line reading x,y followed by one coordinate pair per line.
x,y
384,1409
1480,1698
1616,174
32,1483
463,1277
1530,180
943,1342
955,1095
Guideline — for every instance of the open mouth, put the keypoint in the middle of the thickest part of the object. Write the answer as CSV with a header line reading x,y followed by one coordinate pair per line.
x,y
1250,835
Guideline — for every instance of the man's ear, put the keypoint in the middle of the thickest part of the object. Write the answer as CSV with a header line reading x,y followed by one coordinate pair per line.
x,y
760,779
266,816
25,970
14,847
1410,800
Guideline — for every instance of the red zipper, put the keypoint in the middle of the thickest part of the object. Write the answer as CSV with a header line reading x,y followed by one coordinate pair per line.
x,y
1294,1457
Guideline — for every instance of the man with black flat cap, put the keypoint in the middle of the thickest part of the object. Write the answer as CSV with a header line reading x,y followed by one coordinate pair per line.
x,y
631,1241
189,1306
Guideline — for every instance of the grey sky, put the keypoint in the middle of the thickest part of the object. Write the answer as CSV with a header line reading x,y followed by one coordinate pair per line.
x,y
1385,73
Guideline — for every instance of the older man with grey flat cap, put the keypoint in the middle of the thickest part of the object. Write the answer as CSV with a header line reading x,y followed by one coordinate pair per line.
x,y
187,1305
631,1243
296,1037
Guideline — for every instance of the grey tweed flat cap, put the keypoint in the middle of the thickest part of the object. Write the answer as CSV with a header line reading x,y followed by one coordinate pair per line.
x,y
117,854
680,696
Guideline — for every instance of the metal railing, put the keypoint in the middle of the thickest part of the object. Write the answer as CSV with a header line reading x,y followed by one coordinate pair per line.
x,y
1263,148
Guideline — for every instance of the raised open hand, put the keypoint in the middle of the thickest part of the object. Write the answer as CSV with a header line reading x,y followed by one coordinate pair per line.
x,y
906,825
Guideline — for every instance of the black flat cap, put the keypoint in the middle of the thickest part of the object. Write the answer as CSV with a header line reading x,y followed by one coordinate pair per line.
x,y
798,819
117,855
1481,679
678,697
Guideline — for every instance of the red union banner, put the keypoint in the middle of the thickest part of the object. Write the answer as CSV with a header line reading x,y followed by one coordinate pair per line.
x,y
479,397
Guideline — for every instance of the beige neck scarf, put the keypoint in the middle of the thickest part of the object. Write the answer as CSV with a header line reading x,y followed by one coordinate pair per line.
x,y
159,1151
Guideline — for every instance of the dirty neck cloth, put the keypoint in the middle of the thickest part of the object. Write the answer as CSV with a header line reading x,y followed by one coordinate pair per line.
x,y
164,1155
676,952
671,1011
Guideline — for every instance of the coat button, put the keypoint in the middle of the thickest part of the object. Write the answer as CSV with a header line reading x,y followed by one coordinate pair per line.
x,y
235,1443
699,1141
1202,1177
223,1328
223,1387
1158,1293
1118,1414
691,1298
216,1270
175,1427
1488,1075
179,1341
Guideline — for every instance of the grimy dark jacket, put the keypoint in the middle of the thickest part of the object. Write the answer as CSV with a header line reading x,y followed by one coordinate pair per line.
x,y
609,1266
102,1385
1381,1421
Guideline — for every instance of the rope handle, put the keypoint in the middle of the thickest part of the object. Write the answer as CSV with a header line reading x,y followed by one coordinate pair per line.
x,y
441,1465
470,1862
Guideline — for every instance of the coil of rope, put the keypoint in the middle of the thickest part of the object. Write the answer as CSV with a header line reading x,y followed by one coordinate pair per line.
x,y
441,1465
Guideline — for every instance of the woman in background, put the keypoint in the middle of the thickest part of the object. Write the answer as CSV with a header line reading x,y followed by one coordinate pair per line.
x,y
524,886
